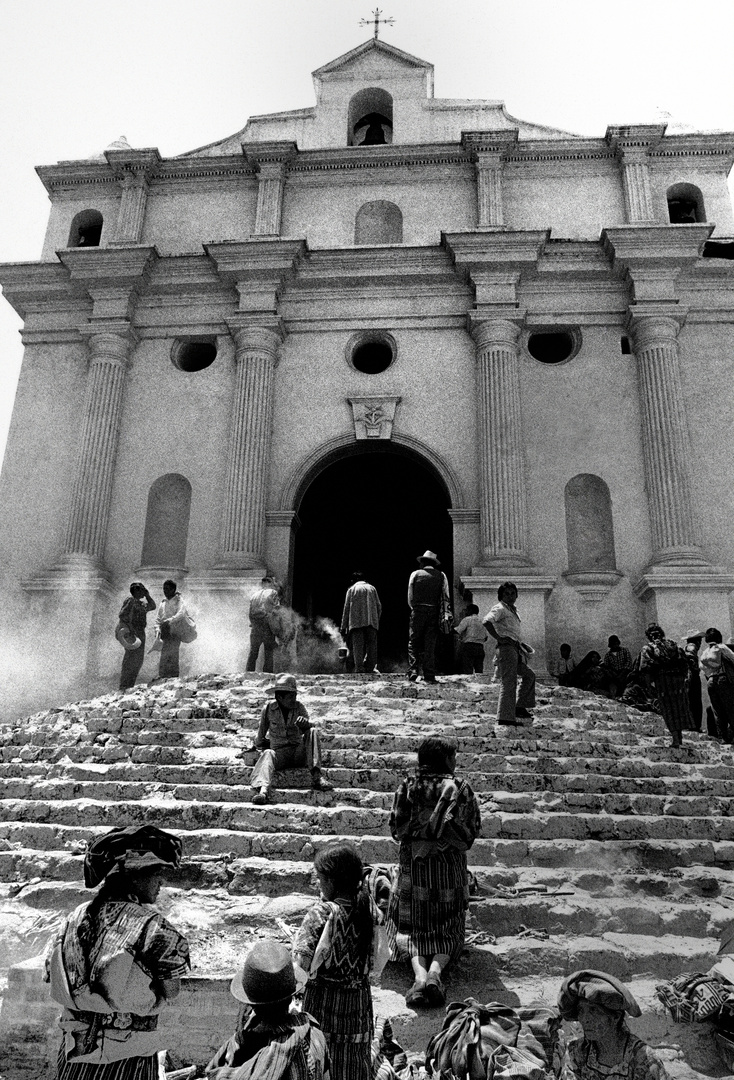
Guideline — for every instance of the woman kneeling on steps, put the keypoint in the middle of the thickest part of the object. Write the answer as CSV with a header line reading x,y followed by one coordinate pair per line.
x,y
435,817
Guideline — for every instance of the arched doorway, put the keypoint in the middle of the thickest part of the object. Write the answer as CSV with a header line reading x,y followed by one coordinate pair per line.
x,y
376,510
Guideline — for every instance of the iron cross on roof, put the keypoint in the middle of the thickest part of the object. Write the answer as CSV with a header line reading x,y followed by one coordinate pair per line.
x,y
376,22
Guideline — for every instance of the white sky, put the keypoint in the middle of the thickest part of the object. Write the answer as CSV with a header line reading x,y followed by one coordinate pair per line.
x,y
176,74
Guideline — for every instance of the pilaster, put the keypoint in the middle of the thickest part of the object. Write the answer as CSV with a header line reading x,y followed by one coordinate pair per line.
x,y
271,161
134,169
632,145
488,150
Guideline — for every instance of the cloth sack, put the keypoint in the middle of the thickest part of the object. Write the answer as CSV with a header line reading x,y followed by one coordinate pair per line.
x,y
727,668
693,996
479,1042
183,627
127,638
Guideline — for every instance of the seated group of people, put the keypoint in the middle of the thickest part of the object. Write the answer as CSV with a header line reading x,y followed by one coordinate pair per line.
x,y
664,677
115,961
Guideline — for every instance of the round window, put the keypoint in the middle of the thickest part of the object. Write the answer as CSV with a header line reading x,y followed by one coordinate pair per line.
x,y
194,354
372,352
553,346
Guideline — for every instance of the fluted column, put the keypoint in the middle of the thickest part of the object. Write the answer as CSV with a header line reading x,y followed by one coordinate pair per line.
x,y
502,506
243,531
637,190
666,441
90,500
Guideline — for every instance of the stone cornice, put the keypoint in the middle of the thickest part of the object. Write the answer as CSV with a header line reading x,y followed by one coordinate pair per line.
x,y
482,144
258,268
270,153
138,162
126,266
28,286
710,150
654,245
511,248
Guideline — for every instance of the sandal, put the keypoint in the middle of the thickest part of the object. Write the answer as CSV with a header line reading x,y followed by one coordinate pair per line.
x,y
435,994
416,996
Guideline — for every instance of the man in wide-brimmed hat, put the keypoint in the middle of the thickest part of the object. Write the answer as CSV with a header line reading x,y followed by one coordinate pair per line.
x,y
287,739
270,1040
427,593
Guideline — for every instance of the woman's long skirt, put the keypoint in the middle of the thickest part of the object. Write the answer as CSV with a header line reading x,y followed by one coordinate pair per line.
x,y
133,1068
345,1016
427,911
671,691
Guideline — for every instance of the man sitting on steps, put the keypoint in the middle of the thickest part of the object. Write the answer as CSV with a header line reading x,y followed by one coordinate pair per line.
x,y
287,739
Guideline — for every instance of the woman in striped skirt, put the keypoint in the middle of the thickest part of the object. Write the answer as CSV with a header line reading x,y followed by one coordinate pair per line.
x,y
664,666
435,817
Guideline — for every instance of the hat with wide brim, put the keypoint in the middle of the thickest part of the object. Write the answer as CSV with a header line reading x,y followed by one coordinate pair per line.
x,y
692,635
285,684
267,976
596,988
127,638
429,557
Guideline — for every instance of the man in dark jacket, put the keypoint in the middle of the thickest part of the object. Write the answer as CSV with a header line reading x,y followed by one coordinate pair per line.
x,y
426,588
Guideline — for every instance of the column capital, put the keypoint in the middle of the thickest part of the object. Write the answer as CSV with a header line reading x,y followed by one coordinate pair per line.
x,y
488,331
488,147
262,338
653,329
270,158
109,346
130,164
631,142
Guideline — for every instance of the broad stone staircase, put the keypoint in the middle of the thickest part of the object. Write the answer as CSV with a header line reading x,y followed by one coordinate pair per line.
x,y
601,846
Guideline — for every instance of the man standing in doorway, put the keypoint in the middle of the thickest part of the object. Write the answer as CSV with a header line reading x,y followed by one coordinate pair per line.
x,y
263,605
361,621
426,588
503,624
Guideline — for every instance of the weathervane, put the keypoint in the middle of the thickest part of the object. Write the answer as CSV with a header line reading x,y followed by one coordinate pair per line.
x,y
376,22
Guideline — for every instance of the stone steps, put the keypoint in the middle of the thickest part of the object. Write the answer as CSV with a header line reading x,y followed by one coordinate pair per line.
x,y
512,793
628,844
322,814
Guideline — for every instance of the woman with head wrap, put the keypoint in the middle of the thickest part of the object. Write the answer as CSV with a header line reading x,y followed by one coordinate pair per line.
x,y
608,1049
115,961
663,665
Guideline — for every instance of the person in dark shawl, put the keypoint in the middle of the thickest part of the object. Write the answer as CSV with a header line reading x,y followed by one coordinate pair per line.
x,y
435,818
664,666
115,961
272,1041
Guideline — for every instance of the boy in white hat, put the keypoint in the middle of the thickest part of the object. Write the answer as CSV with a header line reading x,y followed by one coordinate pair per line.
x,y
271,1039
287,740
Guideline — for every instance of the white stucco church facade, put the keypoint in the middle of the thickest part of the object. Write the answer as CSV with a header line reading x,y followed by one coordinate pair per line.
x,y
378,324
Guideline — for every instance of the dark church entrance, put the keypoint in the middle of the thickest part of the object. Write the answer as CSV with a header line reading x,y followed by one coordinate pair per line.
x,y
375,510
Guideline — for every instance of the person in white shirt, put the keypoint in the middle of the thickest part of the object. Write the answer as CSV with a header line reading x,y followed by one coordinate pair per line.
x,y
563,667
503,624
263,614
173,605
472,635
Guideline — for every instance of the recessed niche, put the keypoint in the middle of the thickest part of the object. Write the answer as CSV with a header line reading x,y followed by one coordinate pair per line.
x,y
371,352
194,354
553,346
